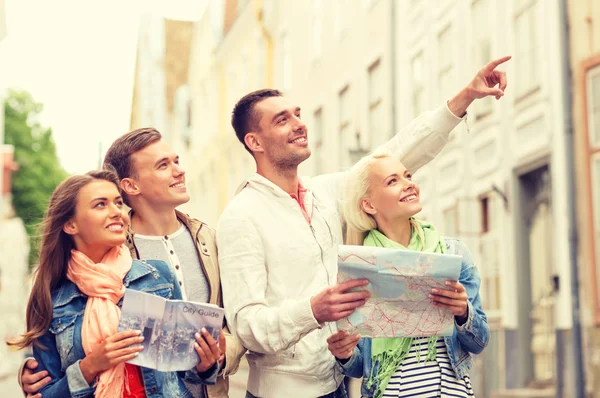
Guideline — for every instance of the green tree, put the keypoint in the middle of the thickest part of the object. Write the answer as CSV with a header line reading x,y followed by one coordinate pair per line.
x,y
39,168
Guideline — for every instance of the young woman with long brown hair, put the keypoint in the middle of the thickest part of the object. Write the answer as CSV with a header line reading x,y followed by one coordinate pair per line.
x,y
74,308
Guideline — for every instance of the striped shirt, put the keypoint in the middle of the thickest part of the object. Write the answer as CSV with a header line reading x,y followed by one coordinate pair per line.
x,y
416,378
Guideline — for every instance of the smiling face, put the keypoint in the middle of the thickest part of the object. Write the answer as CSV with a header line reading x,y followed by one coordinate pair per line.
x,y
157,178
282,136
392,195
100,222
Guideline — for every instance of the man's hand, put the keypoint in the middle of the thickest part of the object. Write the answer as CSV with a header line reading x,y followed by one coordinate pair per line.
x,y
483,85
207,349
336,303
454,299
342,344
33,382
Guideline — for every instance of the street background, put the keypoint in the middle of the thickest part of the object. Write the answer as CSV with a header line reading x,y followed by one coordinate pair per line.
x,y
519,182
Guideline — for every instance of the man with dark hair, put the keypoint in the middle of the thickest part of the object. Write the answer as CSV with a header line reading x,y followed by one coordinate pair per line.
x,y
245,117
153,185
278,240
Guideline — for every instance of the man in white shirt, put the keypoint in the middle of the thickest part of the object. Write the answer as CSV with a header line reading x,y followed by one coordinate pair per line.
x,y
277,240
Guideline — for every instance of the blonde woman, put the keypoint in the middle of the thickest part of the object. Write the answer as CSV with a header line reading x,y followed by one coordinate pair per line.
x,y
382,201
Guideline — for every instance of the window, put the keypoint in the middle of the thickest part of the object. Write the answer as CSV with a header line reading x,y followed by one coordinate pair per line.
x,y
450,216
345,135
489,254
376,118
445,53
592,90
261,60
317,28
318,141
285,62
418,81
341,17
482,50
596,201
231,87
446,68
526,54
187,128
485,214
232,177
188,121
593,103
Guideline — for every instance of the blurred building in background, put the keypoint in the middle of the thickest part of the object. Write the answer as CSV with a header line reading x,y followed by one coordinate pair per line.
x,y
585,71
2,84
14,249
161,70
363,69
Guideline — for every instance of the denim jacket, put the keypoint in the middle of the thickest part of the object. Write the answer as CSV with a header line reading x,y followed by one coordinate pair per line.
x,y
470,338
64,349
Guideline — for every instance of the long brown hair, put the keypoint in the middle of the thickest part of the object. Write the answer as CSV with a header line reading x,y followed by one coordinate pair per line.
x,y
55,253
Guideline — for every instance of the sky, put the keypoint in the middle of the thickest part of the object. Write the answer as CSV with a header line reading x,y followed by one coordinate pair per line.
x,y
77,57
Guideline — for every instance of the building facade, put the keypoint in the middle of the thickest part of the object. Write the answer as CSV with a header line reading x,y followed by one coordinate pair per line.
x,y
584,24
231,56
361,70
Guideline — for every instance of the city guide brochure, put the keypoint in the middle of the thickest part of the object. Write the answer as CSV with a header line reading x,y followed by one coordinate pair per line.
x,y
168,327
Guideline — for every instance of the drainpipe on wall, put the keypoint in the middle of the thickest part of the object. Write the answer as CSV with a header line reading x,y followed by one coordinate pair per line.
x,y
393,63
577,352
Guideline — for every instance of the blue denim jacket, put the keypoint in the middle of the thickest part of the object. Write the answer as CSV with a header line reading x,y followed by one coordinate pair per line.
x,y
64,347
467,339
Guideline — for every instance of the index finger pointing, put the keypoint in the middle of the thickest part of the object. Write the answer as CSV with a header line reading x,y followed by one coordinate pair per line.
x,y
351,284
492,65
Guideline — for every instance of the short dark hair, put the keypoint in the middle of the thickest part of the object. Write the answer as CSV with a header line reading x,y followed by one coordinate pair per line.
x,y
118,156
243,117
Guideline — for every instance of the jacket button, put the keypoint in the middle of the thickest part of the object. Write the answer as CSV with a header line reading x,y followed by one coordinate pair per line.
x,y
153,390
203,243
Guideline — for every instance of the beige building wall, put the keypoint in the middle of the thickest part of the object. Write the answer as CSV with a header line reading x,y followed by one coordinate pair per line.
x,y
224,66
334,58
585,66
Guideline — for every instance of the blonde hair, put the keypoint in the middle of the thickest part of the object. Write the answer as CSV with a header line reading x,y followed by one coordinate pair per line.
x,y
358,182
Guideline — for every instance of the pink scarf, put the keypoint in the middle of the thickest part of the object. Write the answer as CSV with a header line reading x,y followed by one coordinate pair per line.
x,y
103,284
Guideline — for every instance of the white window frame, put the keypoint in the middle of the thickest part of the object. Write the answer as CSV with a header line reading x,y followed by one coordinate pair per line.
x,y
318,140
418,83
344,126
317,29
489,266
376,128
482,42
595,187
527,71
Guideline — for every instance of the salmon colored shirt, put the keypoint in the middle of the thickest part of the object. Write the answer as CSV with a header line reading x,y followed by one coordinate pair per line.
x,y
300,199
